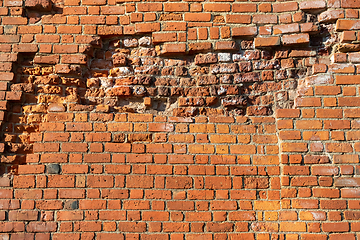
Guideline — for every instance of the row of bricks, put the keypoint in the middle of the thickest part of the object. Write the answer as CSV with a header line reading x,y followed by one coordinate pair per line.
x,y
173,37
329,147
33,215
181,182
196,170
186,182
180,24
7,58
203,170
160,158
280,113
173,138
220,193
57,122
167,227
165,169
169,182
186,7
221,137
260,42
203,123
148,54
195,7
177,236
321,124
347,36
196,227
152,194
318,135
200,206
192,149
317,68
165,195
306,5
201,128
330,91
342,25
81,59
139,227
190,205
88,39
327,102
138,17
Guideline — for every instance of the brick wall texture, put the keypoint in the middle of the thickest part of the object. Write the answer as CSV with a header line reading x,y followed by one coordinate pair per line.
x,y
179,120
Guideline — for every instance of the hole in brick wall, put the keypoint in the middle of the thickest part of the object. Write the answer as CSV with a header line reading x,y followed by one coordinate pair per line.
x,y
19,124
129,74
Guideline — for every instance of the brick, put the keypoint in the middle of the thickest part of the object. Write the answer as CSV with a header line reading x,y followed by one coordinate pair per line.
x,y
14,20
347,182
331,15
324,170
23,215
87,226
302,38
164,37
326,193
288,28
147,27
49,205
61,181
237,18
176,7
295,227
220,227
92,20
9,39
335,227
12,3
243,7
349,4
265,19
179,182
285,7
312,5
25,48
294,147
139,181
72,194
95,2
199,47
267,42
266,205
345,24
136,204
74,11
100,181
216,7
149,7
244,31
41,227
53,59
197,17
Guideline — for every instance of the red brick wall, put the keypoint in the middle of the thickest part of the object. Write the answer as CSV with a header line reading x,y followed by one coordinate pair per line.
x,y
179,120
